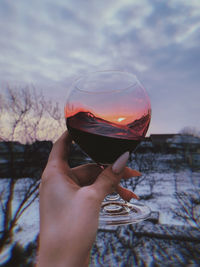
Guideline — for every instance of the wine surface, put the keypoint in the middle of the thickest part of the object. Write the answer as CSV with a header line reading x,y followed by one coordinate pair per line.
x,y
103,141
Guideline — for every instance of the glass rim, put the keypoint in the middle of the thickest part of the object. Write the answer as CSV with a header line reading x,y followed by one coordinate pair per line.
x,y
90,74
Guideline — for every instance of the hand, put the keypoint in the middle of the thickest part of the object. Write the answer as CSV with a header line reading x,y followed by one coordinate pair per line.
x,y
70,202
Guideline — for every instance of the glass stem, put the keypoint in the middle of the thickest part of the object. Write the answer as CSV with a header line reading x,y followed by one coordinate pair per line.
x,y
113,197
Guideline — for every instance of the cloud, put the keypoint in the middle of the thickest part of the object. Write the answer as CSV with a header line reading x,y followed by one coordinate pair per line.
x,y
48,44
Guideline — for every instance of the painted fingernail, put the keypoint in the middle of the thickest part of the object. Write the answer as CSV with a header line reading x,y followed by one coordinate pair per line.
x,y
120,163
132,173
135,196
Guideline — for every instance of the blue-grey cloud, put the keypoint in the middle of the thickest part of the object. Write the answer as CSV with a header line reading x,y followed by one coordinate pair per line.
x,y
48,44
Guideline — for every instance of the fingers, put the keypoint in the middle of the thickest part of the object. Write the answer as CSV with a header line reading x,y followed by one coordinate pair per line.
x,y
57,162
61,147
128,173
126,194
86,174
109,178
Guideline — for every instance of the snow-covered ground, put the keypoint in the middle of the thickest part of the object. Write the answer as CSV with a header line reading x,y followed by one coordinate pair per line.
x,y
160,182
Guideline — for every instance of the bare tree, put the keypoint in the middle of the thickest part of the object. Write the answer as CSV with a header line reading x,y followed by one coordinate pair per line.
x,y
25,117
28,116
10,218
189,201
188,198
145,164
193,131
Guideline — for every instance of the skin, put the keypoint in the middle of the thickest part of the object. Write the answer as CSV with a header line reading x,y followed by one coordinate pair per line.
x,y
70,202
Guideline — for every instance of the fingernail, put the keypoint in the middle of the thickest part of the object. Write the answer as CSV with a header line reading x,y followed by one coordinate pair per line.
x,y
132,173
135,196
120,163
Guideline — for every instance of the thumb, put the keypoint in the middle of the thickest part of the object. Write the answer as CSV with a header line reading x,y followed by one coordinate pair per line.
x,y
109,179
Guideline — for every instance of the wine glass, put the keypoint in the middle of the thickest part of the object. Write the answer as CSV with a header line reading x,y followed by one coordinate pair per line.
x,y
108,113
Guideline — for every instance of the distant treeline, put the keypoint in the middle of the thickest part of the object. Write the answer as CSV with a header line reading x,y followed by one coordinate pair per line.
x,y
28,160
18,160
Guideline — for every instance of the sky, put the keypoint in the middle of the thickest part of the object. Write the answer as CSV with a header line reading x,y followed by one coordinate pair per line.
x,y
48,44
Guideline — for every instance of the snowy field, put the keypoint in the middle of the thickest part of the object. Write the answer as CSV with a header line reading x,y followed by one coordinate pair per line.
x,y
160,184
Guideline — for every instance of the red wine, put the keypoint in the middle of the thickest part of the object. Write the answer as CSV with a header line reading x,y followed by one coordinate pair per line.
x,y
104,141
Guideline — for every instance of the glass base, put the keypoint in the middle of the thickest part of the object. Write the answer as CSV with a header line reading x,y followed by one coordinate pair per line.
x,y
116,211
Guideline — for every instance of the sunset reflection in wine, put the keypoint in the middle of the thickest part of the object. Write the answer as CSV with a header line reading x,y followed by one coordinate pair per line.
x,y
95,134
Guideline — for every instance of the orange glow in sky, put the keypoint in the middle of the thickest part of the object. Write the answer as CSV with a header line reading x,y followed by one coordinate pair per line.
x,y
122,118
